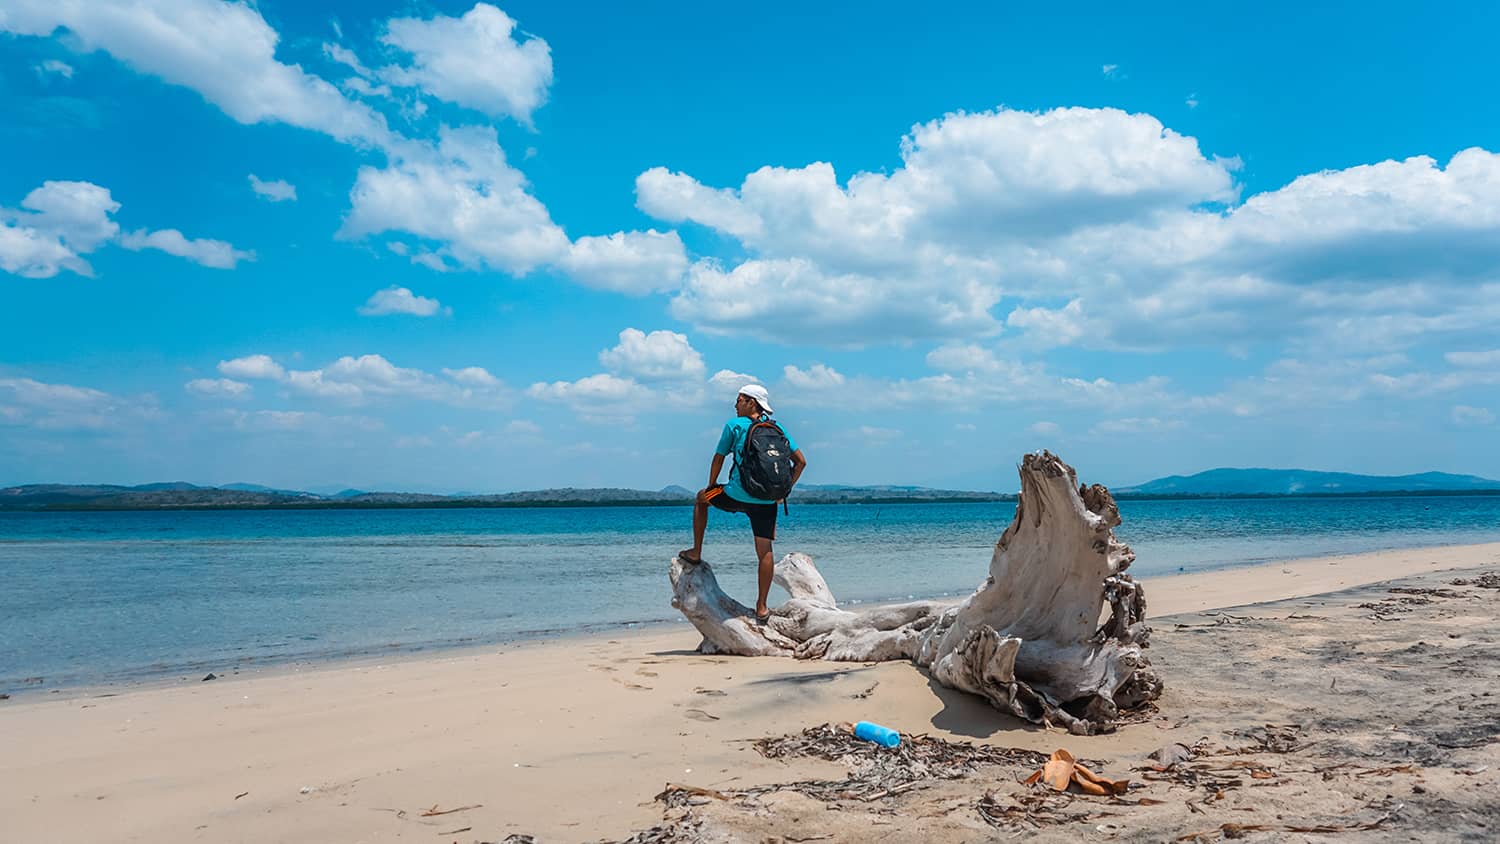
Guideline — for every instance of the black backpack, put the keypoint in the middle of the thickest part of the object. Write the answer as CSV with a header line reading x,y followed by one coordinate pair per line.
x,y
766,461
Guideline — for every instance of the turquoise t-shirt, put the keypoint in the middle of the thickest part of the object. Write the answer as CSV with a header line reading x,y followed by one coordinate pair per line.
x,y
732,441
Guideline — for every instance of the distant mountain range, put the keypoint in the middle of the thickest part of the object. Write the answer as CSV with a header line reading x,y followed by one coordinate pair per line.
x,y
1223,482
180,495
1213,483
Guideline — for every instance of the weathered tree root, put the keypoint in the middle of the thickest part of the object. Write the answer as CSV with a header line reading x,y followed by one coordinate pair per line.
x,y
1028,640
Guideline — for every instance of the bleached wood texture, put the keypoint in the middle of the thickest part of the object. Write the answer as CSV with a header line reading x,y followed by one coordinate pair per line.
x,y
1029,639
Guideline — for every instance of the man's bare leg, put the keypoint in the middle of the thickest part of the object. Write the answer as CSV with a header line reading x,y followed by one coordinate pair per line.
x,y
700,522
767,568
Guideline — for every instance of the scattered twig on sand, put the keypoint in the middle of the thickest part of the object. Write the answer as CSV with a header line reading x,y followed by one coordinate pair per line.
x,y
456,831
890,791
677,794
435,811
1238,830
1272,738
241,794
1387,771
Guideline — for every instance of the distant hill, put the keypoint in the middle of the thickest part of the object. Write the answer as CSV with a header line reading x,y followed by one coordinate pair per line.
x,y
258,488
248,496
1213,483
1303,482
143,497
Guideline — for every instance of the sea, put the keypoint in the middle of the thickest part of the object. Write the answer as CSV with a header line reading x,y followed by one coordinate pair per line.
x,y
102,598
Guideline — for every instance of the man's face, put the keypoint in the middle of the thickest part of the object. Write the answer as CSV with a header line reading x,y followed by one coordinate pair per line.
x,y
744,405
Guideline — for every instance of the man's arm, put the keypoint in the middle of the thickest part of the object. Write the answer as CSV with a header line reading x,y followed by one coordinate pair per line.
x,y
713,476
798,464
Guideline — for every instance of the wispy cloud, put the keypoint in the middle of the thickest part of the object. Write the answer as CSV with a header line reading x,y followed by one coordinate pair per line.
x,y
226,388
53,67
371,378
277,190
400,300
1473,416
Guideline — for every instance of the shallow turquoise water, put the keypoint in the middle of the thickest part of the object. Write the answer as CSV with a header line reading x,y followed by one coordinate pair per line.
x,y
101,597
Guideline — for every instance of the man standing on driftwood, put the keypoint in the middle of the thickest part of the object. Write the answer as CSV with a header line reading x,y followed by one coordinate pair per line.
x,y
768,463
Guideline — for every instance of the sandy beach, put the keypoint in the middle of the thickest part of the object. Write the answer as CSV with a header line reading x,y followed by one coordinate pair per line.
x,y
572,740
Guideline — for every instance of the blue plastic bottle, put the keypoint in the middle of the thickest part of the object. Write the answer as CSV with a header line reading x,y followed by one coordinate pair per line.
x,y
876,733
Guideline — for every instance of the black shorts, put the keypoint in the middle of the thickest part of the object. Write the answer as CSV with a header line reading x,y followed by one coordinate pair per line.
x,y
762,516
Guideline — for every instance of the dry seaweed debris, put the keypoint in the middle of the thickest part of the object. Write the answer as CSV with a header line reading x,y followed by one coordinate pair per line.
x,y
1488,580
1034,809
1426,591
681,831
878,772
918,757
1403,598
1271,738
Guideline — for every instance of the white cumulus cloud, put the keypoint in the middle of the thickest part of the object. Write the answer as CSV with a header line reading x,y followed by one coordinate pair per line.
x,y
477,210
473,376
1095,228
209,253
962,357
474,61
225,388
658,356
61,221
255,367
400,300
597,398
628,262
64,407
815,377
367,378
926,250
727,382
276,190
463,194
224,51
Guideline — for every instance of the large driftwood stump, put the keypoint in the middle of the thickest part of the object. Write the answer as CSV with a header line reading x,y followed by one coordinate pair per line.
x,y
1029,639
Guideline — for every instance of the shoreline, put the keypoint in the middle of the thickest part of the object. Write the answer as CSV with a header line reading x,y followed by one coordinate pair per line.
x,y
1202,580
566,740
192,673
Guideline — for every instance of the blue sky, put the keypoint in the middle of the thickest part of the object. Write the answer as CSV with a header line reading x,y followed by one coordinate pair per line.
x,y
439,246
